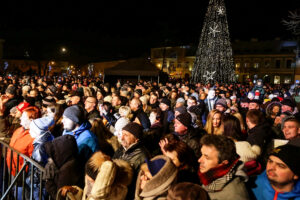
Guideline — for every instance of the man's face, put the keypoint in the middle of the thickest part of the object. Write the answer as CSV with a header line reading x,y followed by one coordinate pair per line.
x,y
33,93
209,158
90,103
290,130
134,106
279,174
220,108
253,106
127,139
179,127
115,101
69,125
285,108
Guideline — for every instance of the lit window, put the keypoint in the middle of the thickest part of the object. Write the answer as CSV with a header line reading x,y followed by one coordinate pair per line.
x,y
247,65
256,65
287,80
276,79
237,65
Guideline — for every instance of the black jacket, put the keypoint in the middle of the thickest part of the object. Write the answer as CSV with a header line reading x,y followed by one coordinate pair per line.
x,y
63,151
143,118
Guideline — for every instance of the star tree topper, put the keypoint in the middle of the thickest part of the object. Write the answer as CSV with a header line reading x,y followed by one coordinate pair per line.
x,y
209,75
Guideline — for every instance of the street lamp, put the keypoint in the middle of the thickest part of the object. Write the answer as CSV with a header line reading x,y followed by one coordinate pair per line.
x,y
63,50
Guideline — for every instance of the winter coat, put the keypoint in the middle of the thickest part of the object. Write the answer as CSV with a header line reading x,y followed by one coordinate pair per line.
x,y
157,187
232,188
111,182
7,127
168,117
264,191
260,135
39,153
63,152
87,141
135,155
22,142
192,139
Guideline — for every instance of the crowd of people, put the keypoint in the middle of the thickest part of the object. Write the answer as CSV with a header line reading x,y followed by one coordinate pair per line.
x,y
150,140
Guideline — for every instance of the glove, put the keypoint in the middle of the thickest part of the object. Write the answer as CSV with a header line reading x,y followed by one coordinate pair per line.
x,y
50,170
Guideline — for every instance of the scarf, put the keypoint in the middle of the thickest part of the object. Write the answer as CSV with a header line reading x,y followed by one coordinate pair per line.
x,y
216,173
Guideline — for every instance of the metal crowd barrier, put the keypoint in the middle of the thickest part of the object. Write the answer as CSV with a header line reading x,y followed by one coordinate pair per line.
x,y
9,181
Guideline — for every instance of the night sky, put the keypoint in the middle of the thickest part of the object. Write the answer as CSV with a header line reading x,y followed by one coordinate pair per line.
x,y
113,30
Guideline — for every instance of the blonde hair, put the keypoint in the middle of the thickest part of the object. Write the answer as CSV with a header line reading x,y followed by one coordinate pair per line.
x,y
87,92
124,111
209,123
239,116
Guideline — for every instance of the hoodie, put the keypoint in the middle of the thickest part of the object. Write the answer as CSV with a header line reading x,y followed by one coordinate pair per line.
x,y
264,190
87,141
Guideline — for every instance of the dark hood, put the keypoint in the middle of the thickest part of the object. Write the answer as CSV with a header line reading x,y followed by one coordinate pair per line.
x,y
62,149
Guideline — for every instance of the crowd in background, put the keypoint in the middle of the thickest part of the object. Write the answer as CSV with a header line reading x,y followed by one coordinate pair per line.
x,y
150,140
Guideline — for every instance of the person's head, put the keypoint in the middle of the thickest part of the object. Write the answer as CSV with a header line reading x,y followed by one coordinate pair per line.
x,y
29,114
179,110
40,125
291,128
213,121
33,93
182,123
73,117
90,103
192,101
283,167
211,94
75,98
116,101
244,103
221,105
232,127
180,102
287,105
240,118
124,111
92,168
187,190
138,93
10,91
216,150
253,118
131,134
135,104
153,98
180,154
165,104
120,124
155,116
254,104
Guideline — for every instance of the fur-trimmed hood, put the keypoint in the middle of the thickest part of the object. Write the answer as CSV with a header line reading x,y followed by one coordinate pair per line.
x,y
159,184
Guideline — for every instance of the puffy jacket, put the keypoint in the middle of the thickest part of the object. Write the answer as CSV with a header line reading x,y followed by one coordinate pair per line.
x,y
264,191
39,153
87,141
22,142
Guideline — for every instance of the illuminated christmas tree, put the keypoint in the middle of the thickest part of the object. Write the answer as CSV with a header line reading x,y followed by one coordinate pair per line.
x,y
214,62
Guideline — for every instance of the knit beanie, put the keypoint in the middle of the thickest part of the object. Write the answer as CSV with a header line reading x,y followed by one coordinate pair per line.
x,y
185,119
134,128
288,102
22,106
222,102
181,109
166,101
180,100
74,113
288,154
155,165
121,123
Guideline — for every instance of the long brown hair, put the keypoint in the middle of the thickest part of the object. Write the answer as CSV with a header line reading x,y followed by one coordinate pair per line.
x,y
209,123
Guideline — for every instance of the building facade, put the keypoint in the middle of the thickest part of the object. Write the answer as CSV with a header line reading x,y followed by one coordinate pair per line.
x,y
273,61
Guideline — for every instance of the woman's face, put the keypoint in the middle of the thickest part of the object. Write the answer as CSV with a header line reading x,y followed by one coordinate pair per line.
x,y
276,109
216,120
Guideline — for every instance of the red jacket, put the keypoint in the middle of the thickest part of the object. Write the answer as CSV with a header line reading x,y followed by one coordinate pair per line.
x,y
22,142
